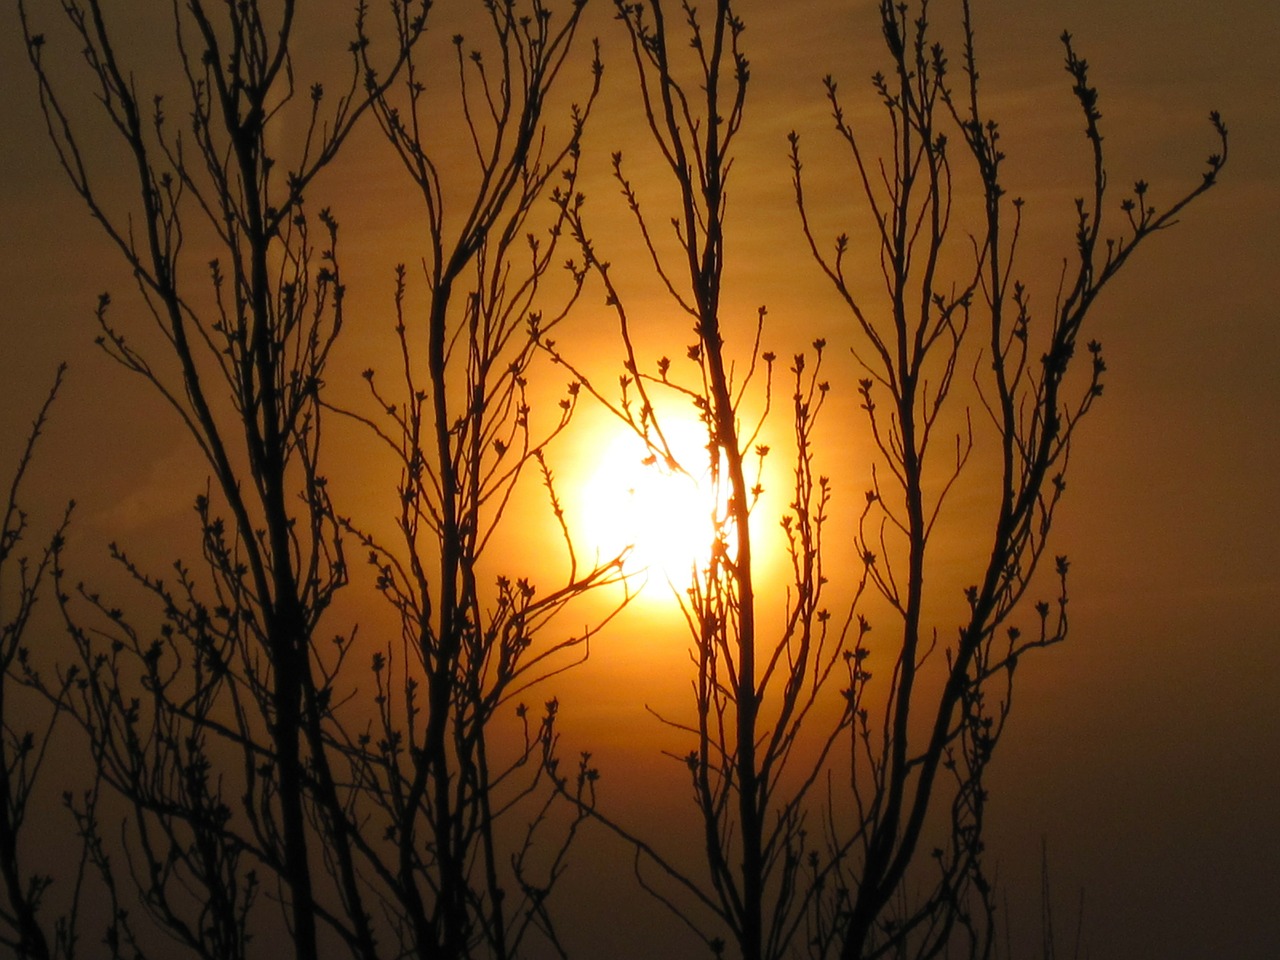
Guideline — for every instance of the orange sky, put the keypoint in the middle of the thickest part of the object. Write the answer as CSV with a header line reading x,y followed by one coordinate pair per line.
x,y
1146,749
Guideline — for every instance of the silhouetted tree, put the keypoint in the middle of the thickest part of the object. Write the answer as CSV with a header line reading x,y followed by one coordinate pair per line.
x,y
755,757
413,807
24,748
922,756
475,635
929,750
236,667
403,796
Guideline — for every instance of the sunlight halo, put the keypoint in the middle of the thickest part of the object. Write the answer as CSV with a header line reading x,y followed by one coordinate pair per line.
x,y
662,517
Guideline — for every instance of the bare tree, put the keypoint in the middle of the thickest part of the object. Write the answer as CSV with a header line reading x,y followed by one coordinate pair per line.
x,y
461,427
235,665
753,695
904,771
424,818
24,749
753,758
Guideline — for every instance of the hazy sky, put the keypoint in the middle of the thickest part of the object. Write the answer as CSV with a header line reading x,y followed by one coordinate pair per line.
x,y
1146,749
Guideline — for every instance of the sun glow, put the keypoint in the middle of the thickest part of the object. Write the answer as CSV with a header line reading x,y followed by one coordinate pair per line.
x,y
661,516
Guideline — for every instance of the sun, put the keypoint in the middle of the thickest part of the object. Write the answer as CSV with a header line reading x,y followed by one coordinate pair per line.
x,y
663,517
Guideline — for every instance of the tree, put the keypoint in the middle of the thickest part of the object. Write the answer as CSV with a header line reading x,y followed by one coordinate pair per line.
x,y
391,811
236,663
24,750
754,688
463,433
752,695
1033,408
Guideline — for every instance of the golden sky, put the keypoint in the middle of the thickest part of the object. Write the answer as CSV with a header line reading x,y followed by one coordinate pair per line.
x,y
1145,748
